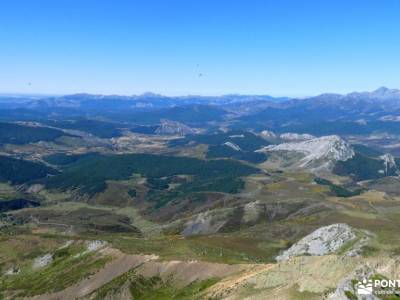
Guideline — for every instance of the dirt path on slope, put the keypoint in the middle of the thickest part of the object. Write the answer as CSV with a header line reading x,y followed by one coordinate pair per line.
x,y
228,285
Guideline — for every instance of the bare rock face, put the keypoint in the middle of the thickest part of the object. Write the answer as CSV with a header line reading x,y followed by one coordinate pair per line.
x,y
203,223
322,241
168,127
233,146
266,134
42,261
35,188
389,162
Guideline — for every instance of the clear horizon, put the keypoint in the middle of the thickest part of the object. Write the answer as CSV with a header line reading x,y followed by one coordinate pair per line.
x,y
179,95
206,48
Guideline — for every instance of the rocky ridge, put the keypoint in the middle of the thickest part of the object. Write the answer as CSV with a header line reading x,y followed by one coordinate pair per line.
x,y
317,153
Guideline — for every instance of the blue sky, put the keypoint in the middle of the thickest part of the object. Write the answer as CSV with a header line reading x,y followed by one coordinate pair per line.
x,y
208,47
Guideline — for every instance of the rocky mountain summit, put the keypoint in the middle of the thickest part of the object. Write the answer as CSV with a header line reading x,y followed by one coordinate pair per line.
x,y
318,152
382,93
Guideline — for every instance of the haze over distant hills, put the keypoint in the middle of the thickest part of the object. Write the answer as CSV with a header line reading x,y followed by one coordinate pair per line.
x,y
353,112
382,94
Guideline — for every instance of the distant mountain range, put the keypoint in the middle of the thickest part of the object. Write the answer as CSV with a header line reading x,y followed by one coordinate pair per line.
x,y
382,97
151,100
147,100
353,113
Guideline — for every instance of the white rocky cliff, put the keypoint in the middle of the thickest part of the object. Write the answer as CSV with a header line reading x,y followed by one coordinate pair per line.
x,y
317,153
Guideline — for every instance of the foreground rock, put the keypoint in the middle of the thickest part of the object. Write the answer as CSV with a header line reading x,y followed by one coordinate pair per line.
x,y
322,241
